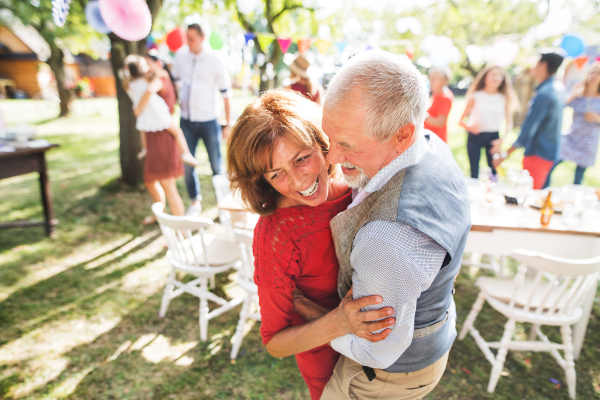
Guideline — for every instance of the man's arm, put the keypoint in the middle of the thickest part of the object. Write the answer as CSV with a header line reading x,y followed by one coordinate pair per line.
x,y
397,262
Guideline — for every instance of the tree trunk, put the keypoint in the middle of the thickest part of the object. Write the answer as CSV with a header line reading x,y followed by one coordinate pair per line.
x,y
132,171
57,65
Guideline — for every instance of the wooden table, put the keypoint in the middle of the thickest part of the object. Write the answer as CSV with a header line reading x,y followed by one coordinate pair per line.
x,y
24,161
498,230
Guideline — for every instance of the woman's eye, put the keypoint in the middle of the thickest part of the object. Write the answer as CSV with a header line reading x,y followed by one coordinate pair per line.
x,y
274,176
300,160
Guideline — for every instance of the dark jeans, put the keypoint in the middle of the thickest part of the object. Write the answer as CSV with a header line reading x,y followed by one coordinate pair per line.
x,y
210,133
474,145
579,171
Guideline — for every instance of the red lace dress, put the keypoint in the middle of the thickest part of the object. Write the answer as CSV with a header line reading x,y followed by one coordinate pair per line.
x,y
294,247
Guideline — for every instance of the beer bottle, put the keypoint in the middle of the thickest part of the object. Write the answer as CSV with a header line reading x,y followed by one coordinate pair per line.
x,y
547,210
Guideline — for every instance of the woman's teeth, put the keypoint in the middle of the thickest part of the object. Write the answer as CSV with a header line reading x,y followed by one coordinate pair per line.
x,y
311,190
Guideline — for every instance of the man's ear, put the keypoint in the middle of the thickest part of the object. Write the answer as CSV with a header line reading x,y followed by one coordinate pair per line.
x,y
405,137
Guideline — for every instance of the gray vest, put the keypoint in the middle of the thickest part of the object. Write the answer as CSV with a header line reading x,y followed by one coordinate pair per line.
x,y
430,196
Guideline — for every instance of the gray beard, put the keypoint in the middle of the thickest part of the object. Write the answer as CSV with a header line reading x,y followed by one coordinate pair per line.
x,y
355,182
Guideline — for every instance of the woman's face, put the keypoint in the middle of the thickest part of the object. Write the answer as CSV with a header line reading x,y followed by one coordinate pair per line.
x,y
300,174
494,78
437,82
593,76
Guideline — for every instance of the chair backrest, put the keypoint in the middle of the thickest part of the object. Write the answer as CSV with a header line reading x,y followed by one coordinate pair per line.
x,y
221,185
244,238
181,238
559,286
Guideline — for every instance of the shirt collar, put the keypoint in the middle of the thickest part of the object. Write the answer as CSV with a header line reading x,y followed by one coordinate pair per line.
x,y
408,158
549,79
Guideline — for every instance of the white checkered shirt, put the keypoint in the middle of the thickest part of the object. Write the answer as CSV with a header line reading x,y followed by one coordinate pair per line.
x,y
395,261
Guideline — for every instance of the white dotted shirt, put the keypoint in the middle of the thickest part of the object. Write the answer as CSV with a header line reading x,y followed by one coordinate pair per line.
x,y
392,260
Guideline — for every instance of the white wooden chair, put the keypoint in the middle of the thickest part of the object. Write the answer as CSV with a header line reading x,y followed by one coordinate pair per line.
x,y
199,254
231,219
551,295
246,282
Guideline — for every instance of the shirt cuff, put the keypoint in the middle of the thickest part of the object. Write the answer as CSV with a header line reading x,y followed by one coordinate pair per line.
x,y
517,145
343,345
226,93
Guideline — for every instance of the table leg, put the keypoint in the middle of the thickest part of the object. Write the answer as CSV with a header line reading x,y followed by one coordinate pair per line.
x,y
46,197
580,327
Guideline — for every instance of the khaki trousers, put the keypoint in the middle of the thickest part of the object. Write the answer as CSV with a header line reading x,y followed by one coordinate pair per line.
x,y
350,382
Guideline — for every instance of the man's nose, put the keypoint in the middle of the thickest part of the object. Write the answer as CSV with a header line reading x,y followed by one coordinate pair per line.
x,y
334,156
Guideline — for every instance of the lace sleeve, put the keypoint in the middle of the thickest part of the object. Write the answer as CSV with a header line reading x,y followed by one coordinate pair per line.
x,y
276,255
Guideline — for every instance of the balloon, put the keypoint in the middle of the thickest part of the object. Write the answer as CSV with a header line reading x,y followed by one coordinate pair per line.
x,y
323,46
284,44
411,24
304,45
573,44
505,52
442,52
94,17
246,6
474,54
176,39
428,43
424,62
216,41
130,20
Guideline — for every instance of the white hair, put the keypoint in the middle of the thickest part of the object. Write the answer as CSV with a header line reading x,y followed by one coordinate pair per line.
x,y
390,93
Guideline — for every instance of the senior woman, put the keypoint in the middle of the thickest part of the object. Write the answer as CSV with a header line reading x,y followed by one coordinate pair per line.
x,y
276,160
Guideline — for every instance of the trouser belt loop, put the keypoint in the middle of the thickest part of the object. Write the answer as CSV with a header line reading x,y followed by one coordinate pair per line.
x,y
370,372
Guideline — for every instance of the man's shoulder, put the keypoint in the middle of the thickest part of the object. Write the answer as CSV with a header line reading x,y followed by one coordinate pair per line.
x,y
182,52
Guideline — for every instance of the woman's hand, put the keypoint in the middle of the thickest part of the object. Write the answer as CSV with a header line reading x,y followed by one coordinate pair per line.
x,y
496,145
363,324
475,129
592,117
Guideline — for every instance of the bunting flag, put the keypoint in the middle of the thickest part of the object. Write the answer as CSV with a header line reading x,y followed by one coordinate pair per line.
x,y
581,61
265,40
304,45
341,46
323,46
248,36
284,44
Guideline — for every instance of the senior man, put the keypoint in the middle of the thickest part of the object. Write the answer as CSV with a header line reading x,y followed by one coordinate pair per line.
x,y
404,233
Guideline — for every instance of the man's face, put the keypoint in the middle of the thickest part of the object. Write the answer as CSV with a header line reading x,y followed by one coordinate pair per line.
x,y
539,72
194,40
361,157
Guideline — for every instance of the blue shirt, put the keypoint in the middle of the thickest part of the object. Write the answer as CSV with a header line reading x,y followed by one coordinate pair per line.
x,y
540,133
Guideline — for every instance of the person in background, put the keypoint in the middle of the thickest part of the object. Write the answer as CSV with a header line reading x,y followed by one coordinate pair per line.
x,y
580,144
441,101
540,133
302,83
200,74
491,102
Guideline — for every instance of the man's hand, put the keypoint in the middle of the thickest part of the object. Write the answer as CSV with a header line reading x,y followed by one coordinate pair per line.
x,y
363,324
226,132
497,161
592,117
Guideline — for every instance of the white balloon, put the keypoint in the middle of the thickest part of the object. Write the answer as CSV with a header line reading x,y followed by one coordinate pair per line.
x,y
488,53
428,43
352,26
505,52
247,6
414,25
401,25
454,54
442,52
260,59
474,53
424,62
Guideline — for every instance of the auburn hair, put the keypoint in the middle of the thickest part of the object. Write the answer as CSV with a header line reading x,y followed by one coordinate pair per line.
x,y
276,115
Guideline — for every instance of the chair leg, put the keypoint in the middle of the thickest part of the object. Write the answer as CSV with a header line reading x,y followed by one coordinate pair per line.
x,y
567,339
239,332
509,328
472,316
533,332
166,299
212,282
204,311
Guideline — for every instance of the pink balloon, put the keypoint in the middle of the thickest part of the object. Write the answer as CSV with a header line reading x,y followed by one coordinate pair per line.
x,y
128,19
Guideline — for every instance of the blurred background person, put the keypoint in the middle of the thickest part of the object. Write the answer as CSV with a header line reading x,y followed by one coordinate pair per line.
x,y
441,101
302,83
580,144
540,133
201,74
491,102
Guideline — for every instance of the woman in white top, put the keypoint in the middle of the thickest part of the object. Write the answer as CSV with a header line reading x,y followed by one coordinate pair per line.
x,y
491,101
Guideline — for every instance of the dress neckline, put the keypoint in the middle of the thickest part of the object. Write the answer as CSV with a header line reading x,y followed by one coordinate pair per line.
x,y
326,204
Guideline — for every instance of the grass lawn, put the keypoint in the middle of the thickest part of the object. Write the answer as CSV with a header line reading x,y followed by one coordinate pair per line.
x,y
78,313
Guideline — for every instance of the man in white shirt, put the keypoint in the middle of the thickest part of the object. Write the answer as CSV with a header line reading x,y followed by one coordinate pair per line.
x,y
200,74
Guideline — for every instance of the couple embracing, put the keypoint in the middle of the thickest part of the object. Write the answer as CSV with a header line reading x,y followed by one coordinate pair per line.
x,y
386,235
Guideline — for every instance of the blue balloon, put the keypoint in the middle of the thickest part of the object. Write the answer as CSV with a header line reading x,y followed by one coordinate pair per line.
x,y
573,44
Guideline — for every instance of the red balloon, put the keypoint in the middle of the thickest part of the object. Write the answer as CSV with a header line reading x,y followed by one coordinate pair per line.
x,y
176,39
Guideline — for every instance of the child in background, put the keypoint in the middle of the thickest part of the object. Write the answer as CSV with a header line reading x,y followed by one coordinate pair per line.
x,y
441,102
155,116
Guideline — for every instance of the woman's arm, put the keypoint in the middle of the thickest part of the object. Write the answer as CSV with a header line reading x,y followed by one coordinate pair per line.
x,y
154,87
346,318
466,114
